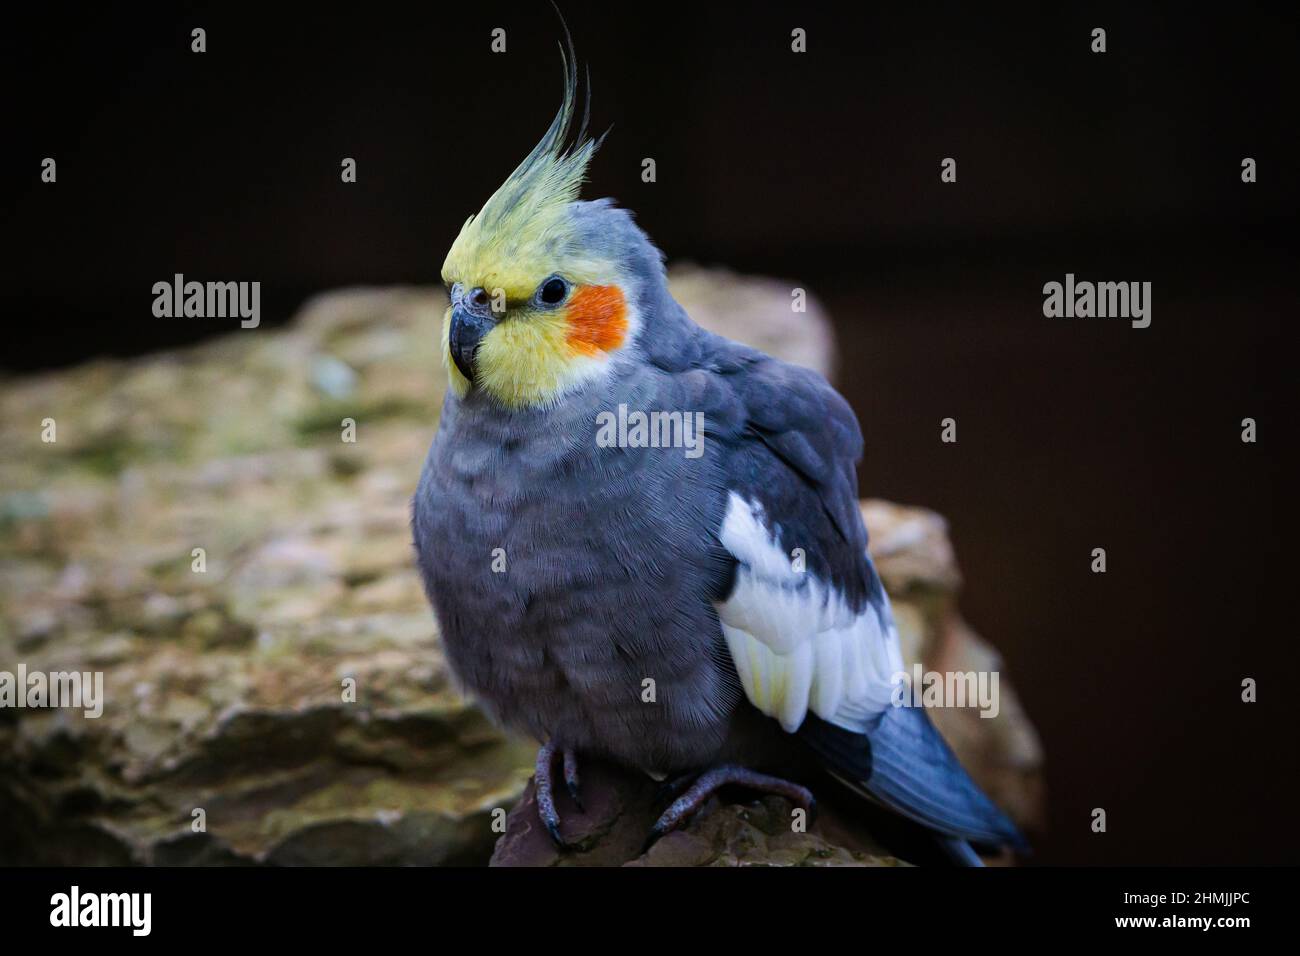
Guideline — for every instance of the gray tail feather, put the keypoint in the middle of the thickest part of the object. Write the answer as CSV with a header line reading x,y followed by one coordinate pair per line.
x,y
901,762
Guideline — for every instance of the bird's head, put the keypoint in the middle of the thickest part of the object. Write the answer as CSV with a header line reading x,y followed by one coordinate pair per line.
x,y
543,287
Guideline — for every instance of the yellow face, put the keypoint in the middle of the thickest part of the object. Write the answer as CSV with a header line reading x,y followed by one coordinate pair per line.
x,y
542,337
533,312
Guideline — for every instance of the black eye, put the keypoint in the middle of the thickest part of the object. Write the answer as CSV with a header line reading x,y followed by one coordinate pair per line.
x,y
553,291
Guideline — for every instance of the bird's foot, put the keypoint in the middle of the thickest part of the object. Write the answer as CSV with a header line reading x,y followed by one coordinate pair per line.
x,y
709,782
670,789
545,787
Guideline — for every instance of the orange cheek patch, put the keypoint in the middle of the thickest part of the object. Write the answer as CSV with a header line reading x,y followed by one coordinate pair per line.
x,y
597,319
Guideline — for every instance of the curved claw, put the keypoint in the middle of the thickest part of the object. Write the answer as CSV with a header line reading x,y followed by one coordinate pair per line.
x,y
552,825
546,811
545,790
689,803
651,840
571,779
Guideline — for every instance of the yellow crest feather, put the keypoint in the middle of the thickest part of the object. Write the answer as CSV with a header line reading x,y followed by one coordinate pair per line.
x,y
524,224
524,233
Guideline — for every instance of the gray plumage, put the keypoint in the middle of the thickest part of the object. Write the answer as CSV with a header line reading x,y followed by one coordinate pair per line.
x,y
623,565
611,553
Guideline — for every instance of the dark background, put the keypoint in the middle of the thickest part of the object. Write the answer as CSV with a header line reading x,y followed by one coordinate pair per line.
x,y
823,168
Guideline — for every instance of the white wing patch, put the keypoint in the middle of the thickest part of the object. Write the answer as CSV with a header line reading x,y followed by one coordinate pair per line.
x,y
796,643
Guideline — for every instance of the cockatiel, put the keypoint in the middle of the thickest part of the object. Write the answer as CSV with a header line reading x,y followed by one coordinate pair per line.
x,y
567,573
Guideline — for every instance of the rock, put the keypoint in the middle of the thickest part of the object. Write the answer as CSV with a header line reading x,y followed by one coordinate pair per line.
x,y
200,533
619,809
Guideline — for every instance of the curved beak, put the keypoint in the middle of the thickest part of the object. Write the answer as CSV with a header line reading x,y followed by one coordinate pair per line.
x,y
467,331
